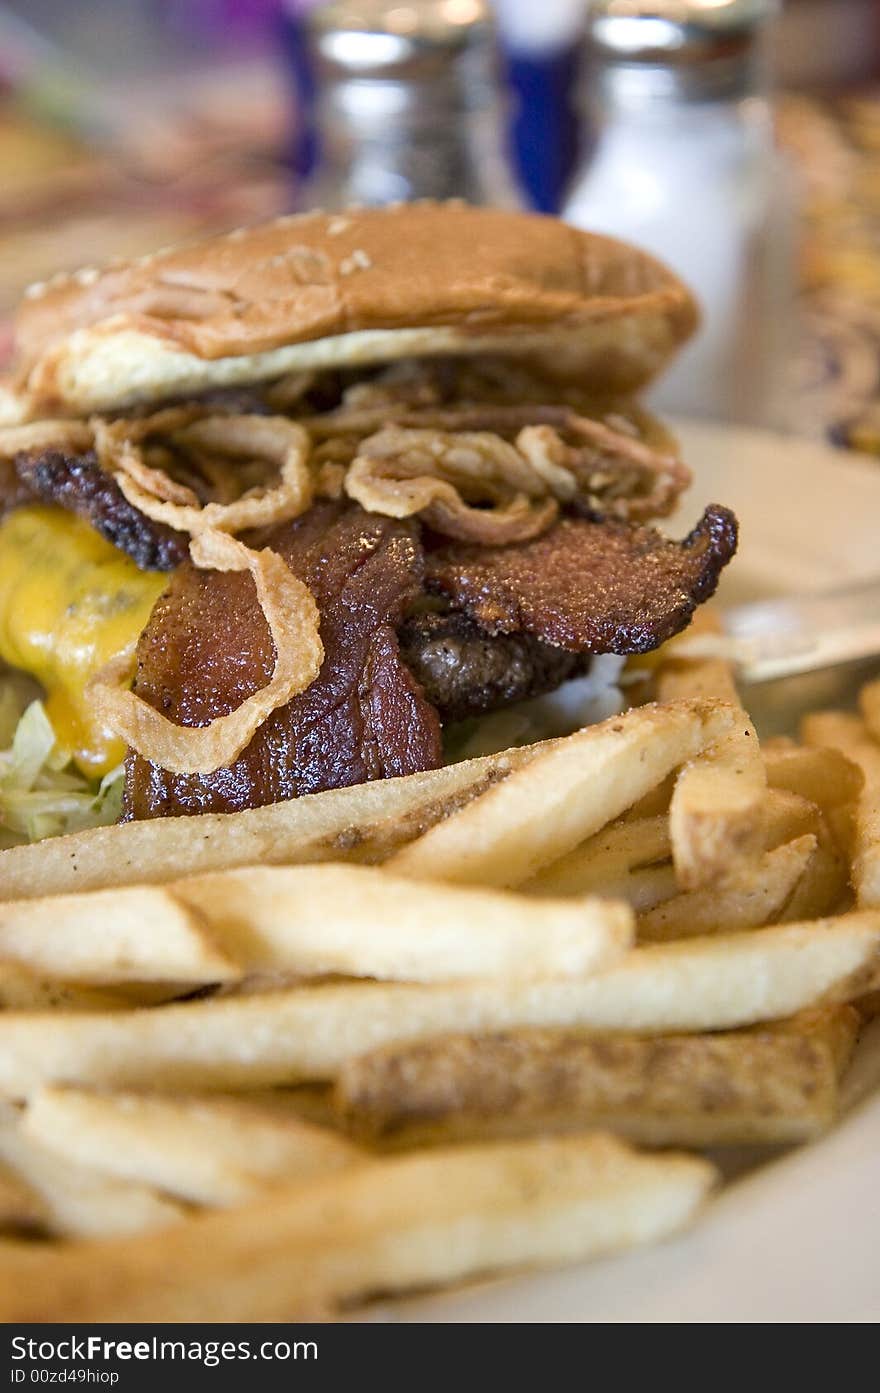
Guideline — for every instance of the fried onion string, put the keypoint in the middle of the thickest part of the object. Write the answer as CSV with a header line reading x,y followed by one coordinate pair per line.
x,y
292,616
273,439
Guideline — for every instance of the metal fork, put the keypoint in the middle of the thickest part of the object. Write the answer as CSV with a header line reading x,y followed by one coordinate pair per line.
x,y
797,634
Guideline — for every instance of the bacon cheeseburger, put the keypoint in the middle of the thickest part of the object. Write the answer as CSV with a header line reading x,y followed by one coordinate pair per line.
x,y
281,506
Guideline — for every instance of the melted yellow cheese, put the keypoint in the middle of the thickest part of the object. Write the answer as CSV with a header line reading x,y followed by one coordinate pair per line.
x,y
69,601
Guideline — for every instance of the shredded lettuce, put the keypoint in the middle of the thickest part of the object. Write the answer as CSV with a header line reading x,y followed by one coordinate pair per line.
x,y
41,793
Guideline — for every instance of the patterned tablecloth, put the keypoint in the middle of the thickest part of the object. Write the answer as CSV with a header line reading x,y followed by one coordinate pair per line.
x,y
835,145
208,160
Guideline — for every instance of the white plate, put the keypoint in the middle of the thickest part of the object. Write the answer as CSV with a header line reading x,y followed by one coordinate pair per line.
x,y
798,1239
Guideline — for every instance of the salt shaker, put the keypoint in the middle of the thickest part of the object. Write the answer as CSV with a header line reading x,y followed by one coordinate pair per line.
x,y
685,166
407,104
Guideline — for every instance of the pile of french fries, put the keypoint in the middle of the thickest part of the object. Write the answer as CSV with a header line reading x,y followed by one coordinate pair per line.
x,y
271,1064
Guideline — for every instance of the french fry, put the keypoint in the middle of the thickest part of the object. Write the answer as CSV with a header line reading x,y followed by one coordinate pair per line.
x,y
680,677
21,1208
312,1102
716,812
869,702
140,933
750,896
842,825
21,990
363,921
653,803
78,1202
869,1006
389,1226
310,921
716,805
776,744
627,860
769,1084
642,888
850,735
679,672
824,886
576,787
824,776
310,1033
208,1151
837,730
365,822
788,816
611,853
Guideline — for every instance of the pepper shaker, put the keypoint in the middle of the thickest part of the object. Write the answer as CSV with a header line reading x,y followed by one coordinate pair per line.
x,y
407,105
685,165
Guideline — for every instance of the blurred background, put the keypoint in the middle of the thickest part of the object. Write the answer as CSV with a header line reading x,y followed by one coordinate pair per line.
x,y
738,139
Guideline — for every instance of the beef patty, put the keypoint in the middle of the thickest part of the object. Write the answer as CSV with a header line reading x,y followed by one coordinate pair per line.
x,y
466,672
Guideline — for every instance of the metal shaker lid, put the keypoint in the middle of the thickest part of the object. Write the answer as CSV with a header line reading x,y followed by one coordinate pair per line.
x,y
671,29
378,36
690,49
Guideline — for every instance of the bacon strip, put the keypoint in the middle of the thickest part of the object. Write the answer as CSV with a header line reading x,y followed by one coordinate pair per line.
x,y
589,587
207,648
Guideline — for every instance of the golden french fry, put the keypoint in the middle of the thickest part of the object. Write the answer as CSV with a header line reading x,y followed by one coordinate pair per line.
x,y
776,744
309,1033
566,794
141,933
788,816
824,885
22,1210
653,803
78,1202
22,990
823,776
696,677
850,735
869,1005
642,888
716,812
836,1028
312,1102
363,921
625,861
717,803
679,672
769,1084
611,853
209,1151
842,825
836,730
388,1226
869,702
365,822
750,896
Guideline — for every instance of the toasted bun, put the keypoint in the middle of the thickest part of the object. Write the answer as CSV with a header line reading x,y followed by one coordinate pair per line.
x,y
328,290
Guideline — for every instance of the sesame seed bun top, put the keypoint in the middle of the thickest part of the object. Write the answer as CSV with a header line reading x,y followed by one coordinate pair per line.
x,y
335,289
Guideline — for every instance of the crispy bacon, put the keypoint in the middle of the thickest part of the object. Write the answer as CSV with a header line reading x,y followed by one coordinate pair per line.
x,y
521,617
79,484
207,648
589,587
